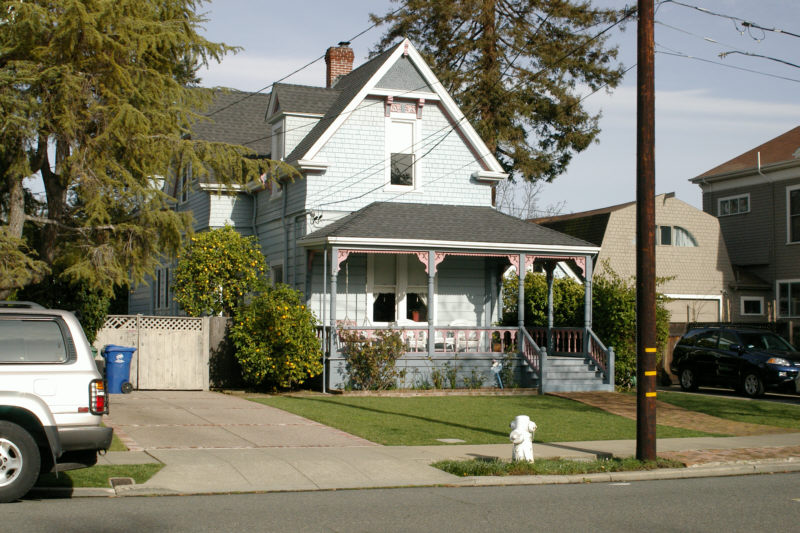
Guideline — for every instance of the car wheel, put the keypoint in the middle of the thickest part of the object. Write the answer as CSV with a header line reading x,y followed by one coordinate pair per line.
x,y
19,462
688,380
752,385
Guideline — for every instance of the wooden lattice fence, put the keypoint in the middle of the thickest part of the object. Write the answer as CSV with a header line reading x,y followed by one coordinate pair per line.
x,y
172,353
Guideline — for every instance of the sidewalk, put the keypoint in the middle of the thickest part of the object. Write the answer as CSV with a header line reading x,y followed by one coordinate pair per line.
x,y
213,443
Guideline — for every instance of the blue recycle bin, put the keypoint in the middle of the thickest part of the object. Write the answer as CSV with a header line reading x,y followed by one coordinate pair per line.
x,y
118,368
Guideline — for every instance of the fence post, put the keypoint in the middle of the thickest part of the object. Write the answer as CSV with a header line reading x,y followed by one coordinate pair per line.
x,y
542,368
610,368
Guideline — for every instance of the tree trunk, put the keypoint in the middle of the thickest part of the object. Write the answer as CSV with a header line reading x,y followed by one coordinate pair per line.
x,y
56,204
16,208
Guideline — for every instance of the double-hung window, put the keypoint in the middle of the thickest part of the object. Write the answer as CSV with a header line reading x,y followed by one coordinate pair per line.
x,y
789,298
793,213
398,289
733,205
401,153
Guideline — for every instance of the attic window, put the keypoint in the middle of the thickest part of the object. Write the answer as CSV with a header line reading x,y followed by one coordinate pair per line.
x,y
402,164
675,236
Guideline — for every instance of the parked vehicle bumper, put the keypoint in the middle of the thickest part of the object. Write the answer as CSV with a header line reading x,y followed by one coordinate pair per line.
x,y
783,377
75,438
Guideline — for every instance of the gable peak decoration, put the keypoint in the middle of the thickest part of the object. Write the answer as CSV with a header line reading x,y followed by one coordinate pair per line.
x,y
338,63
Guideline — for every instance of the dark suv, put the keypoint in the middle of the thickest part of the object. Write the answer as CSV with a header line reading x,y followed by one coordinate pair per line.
x,y
748,360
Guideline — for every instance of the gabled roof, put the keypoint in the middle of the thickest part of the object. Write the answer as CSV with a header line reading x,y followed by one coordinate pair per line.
x,y
587,225
783,148
290,98
346,90
236,118
364,80
408,223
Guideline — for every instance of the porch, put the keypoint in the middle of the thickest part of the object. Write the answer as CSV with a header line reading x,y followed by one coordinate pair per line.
x,y
565,367
434,273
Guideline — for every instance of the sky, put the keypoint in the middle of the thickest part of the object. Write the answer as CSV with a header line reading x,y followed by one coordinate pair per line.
x,y
708,110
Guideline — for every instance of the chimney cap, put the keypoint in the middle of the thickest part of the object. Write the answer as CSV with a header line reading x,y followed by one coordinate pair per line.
x,y
344,43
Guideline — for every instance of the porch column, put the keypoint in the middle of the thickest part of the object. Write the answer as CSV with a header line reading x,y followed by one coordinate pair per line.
x,y
521,300
549,267
334,274
587,302
431,310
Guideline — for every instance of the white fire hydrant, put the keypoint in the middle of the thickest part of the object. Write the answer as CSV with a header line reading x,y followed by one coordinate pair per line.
x,y
522,438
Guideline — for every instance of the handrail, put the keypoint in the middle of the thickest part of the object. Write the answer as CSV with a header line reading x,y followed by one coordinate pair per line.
x,y
531,352
602,356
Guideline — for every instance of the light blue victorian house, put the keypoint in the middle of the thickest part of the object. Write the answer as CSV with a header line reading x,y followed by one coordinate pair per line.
x,y
392,224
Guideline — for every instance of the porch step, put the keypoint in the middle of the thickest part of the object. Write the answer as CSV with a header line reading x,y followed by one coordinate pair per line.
x,y
573,374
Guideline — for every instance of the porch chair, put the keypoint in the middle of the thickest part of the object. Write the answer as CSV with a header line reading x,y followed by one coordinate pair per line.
x,y
465,341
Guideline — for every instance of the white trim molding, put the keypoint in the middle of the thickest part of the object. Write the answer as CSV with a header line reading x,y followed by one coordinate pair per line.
x,y
759,299
789,190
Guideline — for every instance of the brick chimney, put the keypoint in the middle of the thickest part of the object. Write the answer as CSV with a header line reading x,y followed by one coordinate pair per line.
x,y
339,62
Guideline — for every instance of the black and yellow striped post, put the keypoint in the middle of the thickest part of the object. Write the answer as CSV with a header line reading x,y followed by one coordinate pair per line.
x,y
645,238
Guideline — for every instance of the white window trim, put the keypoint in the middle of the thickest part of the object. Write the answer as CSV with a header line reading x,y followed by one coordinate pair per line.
x,y
278,140
407,118
401,289
789,189
733,197
778,297
744,299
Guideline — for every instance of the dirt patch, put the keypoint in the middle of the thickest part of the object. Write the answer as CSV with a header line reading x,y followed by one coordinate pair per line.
x,y
670,415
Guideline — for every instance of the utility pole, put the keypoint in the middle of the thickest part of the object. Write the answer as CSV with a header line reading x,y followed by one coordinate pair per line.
x,y
645,238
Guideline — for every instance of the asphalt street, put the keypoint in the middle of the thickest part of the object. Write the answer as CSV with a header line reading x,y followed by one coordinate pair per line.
x,y
730,504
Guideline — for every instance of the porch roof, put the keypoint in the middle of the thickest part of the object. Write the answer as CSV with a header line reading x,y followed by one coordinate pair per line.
x,y
443,226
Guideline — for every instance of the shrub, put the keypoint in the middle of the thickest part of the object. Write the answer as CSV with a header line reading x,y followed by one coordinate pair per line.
x,y
567,301
217,270
371,363
613,313
276,341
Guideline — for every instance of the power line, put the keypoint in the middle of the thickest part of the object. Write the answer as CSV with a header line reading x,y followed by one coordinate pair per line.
x,y
676,53
353,38
733,49
628,13
746,24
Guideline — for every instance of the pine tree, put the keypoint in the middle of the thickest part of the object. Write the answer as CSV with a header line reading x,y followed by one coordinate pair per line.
x,y
514,67
97,96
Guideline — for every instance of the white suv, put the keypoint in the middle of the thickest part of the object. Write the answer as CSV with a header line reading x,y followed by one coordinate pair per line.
x,y
52,397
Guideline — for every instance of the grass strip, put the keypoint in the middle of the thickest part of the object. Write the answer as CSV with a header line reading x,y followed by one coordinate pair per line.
x,y
98,475
544,467
739,409
418,421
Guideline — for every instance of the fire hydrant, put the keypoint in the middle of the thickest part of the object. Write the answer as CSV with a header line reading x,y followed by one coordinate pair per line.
x,y
522,438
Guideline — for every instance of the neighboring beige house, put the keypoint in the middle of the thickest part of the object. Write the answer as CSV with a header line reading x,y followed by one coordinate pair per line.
x,y
690,251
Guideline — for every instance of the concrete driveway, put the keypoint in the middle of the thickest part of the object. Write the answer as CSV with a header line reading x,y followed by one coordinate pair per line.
x,y
180,420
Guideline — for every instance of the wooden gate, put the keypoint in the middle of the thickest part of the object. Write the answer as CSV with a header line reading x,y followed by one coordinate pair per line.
x,y
172,353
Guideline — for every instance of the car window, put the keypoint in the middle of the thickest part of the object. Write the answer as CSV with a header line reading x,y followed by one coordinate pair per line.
x,y
707,339
727,339
31,341
765,341
689,338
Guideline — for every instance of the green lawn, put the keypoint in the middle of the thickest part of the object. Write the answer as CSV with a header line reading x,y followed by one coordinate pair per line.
x,y
98,475
417,421
741,410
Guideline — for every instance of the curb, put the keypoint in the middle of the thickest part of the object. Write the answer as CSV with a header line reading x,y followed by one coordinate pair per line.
x,y
715,470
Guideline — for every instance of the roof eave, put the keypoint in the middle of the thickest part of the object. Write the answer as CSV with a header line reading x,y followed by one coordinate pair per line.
x,y
369,242
772,167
